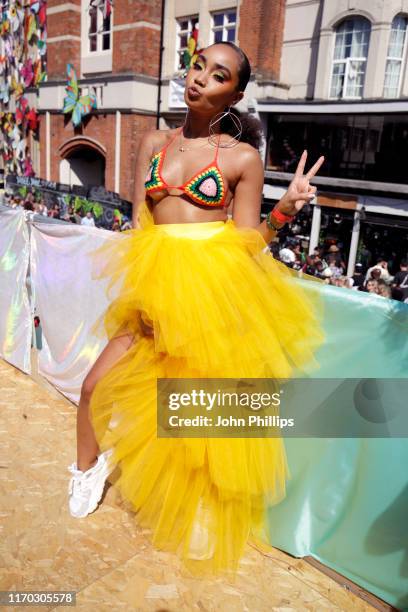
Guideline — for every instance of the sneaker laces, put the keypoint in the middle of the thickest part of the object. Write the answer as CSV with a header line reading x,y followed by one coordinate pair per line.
x,y
79,477
77,481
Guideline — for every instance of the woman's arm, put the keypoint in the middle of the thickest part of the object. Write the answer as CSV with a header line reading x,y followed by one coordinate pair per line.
x,y
248,195
246,209
144,155
248,192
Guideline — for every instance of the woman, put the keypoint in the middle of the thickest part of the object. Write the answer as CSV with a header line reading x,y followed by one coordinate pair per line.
x,y
200,298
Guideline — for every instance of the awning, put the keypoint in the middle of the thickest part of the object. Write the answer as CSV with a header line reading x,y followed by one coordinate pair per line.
x,y
332,107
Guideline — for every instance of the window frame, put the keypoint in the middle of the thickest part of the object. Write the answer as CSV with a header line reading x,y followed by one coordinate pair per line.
x,y
98,35
347,61
225,24
179,33
401,59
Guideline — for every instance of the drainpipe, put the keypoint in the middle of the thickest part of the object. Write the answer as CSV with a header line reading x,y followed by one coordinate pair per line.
x,y
355,235
159,88
47,146
118,139
315,229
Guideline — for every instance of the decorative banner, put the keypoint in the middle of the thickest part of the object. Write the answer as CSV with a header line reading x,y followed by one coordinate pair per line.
x,y
79,106
176,93
190,54
24,34
104,5
177,85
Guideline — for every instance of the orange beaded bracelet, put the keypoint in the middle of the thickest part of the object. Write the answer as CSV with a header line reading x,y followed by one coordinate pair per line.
x,y
280,216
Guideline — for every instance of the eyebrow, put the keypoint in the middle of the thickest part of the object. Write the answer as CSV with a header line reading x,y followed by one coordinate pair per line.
x,y
220,66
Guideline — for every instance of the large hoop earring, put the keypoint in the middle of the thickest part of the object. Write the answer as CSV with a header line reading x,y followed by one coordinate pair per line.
x,y
235,120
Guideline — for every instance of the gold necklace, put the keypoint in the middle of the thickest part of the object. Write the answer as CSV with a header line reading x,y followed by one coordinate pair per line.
x,y
182,149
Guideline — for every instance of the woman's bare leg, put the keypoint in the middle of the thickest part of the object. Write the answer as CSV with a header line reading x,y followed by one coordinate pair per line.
x,y
87,446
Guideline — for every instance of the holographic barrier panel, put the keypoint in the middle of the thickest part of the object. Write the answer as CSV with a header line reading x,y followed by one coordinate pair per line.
x,y
15,317
68,301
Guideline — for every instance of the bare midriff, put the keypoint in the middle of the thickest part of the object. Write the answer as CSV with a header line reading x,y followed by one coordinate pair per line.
x,y
176,207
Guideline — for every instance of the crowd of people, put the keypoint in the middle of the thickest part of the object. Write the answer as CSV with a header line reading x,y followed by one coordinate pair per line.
x,y
33,203
328,264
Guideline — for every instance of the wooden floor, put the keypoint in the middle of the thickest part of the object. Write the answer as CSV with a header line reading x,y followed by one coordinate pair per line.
x,y
106,558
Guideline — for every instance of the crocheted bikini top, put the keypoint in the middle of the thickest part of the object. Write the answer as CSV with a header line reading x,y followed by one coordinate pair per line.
x,y
207,187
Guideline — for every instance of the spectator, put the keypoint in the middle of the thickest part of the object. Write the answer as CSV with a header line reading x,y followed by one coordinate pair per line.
x,y
88,219
337,270
385,273
335,260
54,212
382,266
28,205
274,249
30,198
358,276
42,209
375,274
318,251
384,290
300,254
343,281
77,216
319,269
287,256
327,274
371,286
310,265
400,280
126,224
365,256
72,216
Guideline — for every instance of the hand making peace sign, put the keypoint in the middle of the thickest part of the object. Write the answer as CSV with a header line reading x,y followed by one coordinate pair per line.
x,y
300,191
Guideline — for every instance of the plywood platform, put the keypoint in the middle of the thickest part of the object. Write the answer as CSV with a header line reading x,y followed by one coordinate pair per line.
x,y
106,558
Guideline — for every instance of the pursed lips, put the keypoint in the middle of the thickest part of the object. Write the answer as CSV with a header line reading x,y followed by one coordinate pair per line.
x,y
194,91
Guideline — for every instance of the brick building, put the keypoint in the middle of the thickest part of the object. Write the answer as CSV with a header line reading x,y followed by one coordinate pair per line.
x,y
329,77
119,58
245,22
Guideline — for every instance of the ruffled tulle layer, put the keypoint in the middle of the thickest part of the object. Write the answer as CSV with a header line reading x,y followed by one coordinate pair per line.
x,y
220,307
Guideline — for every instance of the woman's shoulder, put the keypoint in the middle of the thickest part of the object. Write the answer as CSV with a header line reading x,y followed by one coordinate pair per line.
x,y
158,137
243,149
244,154
152,141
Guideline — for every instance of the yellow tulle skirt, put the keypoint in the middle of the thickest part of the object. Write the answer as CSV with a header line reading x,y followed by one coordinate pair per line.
x,y
220,306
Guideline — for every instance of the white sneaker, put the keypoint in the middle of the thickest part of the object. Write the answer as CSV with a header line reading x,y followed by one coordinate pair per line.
x,y
86,488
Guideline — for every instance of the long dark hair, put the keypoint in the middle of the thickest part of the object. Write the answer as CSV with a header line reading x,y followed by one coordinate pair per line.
x,y
251,127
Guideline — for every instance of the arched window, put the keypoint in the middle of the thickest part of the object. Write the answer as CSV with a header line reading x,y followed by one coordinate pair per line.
x,y
350,58
395,56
